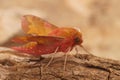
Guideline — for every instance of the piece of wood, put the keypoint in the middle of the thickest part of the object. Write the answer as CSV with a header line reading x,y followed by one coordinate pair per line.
x,y
14,66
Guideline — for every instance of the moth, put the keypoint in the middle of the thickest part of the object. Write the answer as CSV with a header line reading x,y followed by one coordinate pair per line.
x,y
43,37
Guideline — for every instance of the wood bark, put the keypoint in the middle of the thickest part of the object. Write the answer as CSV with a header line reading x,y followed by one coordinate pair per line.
x,y
78,67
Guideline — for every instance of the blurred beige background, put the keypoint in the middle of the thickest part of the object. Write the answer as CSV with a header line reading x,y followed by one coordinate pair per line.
x,y
99,20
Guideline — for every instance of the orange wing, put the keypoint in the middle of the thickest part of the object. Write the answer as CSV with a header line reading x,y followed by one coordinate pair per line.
x,y
39,41
35,25
37,45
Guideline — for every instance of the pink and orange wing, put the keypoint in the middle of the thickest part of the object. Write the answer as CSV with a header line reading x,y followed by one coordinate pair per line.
x,y
35,25
36,44
39,37
30,47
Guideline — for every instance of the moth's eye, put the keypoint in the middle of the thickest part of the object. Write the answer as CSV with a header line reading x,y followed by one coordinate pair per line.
x,y
77,40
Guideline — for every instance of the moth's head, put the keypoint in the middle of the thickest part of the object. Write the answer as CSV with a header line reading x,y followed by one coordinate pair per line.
x,y
77,38
70,33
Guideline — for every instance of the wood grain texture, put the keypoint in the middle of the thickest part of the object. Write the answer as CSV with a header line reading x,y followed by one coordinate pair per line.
x,y
78,67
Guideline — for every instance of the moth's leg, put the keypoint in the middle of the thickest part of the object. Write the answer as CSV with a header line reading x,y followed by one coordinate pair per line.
x,y
52,57
66,55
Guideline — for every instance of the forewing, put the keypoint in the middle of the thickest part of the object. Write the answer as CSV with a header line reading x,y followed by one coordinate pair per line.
x,y
30,47
37,45
35,25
